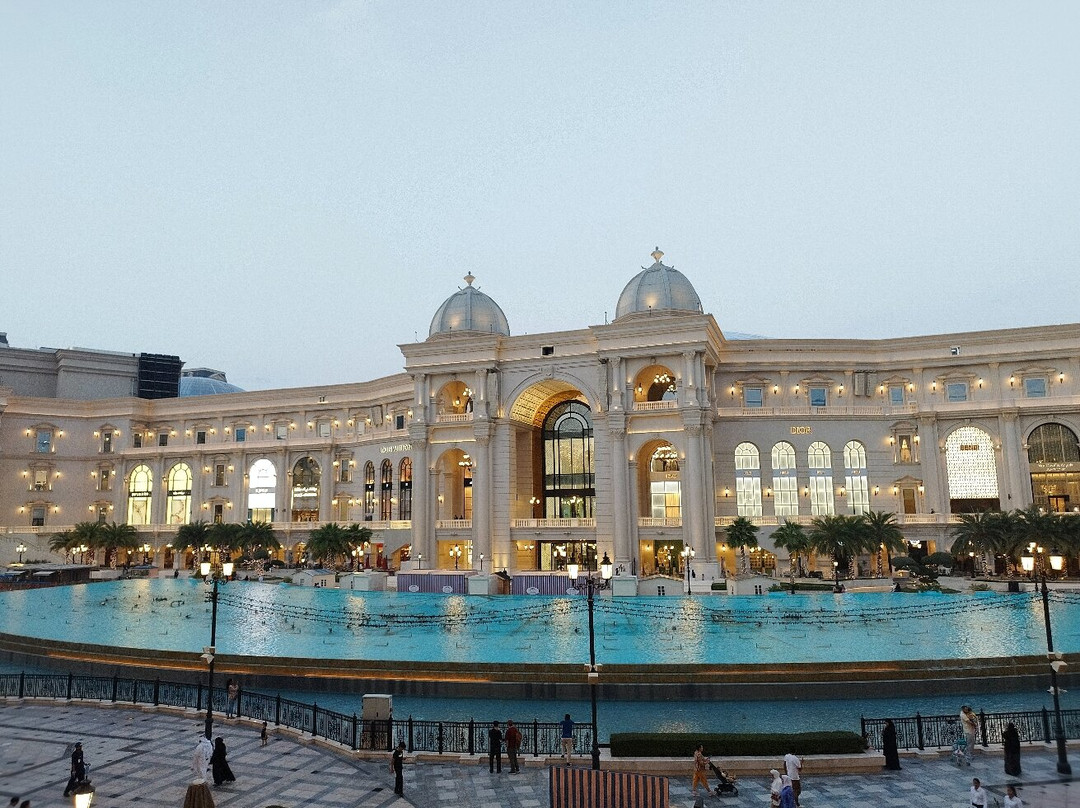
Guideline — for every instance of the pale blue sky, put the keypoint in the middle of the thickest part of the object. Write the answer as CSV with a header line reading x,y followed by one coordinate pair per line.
x,y
285,191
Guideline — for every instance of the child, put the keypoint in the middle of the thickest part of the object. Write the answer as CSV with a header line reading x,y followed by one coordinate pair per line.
x,y
263,736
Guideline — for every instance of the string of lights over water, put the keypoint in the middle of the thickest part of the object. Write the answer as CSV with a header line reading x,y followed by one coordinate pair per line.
x,y
288,621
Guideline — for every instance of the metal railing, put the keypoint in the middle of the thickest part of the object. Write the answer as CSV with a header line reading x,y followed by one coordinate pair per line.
x,y
942,731
453,737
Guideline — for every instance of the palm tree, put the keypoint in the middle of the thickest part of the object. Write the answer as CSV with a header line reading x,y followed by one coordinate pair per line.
x,y
884,533
359,535
225,537
63,542
742,533
116,537
256,535
193,536
841,538
328,542
88,534
790,536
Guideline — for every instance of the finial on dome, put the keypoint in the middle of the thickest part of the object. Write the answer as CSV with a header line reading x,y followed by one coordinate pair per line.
x,y
470,278
657,255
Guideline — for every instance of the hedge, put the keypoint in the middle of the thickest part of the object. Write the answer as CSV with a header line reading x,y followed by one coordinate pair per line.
x,y
682,744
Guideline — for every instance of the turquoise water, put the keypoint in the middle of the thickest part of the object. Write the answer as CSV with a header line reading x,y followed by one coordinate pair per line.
x,y
277,620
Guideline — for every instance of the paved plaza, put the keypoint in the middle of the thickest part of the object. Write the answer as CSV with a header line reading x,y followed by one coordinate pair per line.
x,y
142,758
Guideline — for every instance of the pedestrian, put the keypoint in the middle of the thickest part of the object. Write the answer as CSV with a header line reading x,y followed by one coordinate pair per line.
x,y
1010,741
14,803
232,691
24,804
78,769
567,727
220,764
888,746
969,723
978,794
1011,800
513,744
200,762
397,763
700,764
794,766
774,789
264,737
787,793
495,740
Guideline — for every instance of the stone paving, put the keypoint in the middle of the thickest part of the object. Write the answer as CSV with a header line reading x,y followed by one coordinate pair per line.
x,y
142,758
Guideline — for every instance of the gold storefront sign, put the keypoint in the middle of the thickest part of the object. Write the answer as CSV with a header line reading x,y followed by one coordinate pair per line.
x,y
801,430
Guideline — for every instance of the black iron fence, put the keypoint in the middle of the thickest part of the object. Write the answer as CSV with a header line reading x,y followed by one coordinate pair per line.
x,y
457,737
923,731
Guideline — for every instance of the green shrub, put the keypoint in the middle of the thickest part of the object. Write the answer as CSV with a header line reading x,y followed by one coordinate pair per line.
x,y
682,744
719,586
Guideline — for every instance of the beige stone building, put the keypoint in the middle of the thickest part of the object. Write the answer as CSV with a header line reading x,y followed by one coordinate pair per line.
x,y
641,438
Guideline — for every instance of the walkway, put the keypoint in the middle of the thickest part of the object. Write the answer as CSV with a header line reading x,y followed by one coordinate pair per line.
x,y
142,758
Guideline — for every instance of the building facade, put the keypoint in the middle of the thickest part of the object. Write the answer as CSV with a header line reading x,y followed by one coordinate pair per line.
x,y
641,439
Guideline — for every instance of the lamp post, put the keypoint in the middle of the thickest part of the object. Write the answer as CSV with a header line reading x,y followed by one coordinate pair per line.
x,y
687,554
84,794
455,553
82,548
20,549
534,501
594,675
1056,662
419,561
836,575
481,562
146,548
210,650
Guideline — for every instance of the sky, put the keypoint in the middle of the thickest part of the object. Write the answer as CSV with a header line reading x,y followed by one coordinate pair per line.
x,y
286,191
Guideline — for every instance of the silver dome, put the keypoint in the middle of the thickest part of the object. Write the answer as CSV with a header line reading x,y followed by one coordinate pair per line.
x,y
469,310
659,288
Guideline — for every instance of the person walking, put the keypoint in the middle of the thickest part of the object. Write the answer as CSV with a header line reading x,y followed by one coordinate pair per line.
x,y
774,789
1011,800
200,762
969,723
793,765
220,764
700,766
888,746
263,736
1010,742
232,692
787,793
513,744
567,727
495,740
978,794
397,764
78,769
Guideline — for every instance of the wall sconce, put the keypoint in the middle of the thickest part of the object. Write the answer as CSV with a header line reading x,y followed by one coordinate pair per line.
x,y
877,490
842,492
441,499
840,390
768,492
933,385
895,490
732,395
1061,378
350,422
911,387
727,492
892,439
796,389
1012,381
881,389
96,433
980,382
922,488
916,438
805,491
775,389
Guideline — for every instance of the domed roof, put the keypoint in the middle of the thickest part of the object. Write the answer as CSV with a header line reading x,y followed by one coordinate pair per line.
x,y
205,382
659,288
469,310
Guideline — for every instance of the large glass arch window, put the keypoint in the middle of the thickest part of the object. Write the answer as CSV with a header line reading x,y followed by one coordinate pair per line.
x,y
971,465
569,473
369,491
1054,458
307,483
405,490
819,459
665,487
747,480
386,492
140,493
178,502
262,491
855,480
785,480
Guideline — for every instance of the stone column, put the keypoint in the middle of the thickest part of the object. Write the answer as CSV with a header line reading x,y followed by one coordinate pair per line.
x,y
422,533
482,481
1017,490
932,460
621,488
692,481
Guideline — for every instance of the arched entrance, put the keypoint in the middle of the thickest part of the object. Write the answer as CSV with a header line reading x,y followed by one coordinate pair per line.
x,y
1054,458
972,468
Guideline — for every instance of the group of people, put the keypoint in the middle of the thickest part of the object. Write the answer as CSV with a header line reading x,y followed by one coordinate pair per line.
x,y
211,760
784,790
496,737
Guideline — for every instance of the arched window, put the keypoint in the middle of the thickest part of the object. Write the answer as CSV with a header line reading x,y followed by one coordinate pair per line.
x,y
747,480
386,492
972,469
665,488
819,459
369,491
855,481
1054,458
262,491
307,478
785,480
405,490
178,503
140,492
569,474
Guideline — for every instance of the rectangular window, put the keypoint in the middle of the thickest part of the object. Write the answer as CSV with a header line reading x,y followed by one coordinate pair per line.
x,y
345,474
106,442
281,431
37,516
753,397
399,422
896,395
324,429
44,441
41,480
1035,388
219,474
241,434
956,391
819,396
219,513
136,440
200,436
104,480
163,439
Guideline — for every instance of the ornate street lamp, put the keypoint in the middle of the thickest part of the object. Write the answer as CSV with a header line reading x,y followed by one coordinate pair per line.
x,y
481,562
20,550
210,650
594,675
687,555
455,553
83,794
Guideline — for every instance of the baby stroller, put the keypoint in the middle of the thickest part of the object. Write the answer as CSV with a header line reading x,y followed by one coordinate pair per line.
x,y
726,784
960,753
